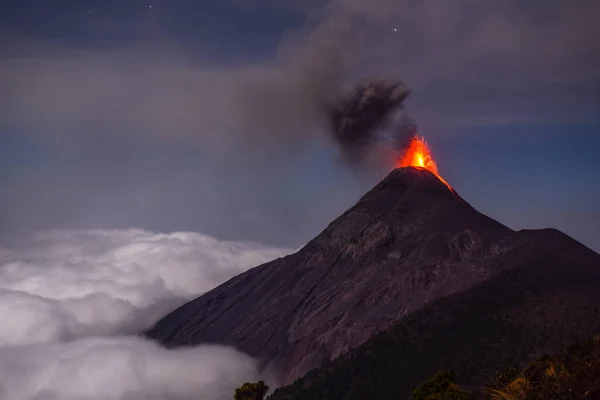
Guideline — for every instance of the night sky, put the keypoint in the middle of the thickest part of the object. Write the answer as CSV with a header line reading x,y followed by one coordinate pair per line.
x,y
197,115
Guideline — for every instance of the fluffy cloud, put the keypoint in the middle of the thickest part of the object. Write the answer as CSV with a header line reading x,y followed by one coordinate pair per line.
x,y
64,285
123,369
62,294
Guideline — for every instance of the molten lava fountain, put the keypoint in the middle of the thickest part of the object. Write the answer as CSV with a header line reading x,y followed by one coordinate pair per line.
x,y
418,155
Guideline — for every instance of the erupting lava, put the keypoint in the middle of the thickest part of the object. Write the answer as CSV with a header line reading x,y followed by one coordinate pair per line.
x,y
418,155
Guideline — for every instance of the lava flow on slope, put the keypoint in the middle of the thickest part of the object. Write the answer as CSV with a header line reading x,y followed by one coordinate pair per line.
x,y
419,155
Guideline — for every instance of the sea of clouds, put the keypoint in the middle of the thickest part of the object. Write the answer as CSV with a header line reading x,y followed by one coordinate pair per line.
x,y
70,302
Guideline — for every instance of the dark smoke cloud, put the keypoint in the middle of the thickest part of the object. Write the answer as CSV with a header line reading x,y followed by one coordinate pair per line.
x,y
355,121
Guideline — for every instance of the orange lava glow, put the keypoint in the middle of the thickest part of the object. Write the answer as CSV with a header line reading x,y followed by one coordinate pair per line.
x,y
418,154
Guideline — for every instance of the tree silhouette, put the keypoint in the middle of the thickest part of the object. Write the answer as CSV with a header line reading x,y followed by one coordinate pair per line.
x,y
251,391
441,386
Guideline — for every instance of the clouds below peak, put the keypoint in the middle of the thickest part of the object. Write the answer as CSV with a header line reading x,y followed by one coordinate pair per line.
x,y
123,368
64,285
67,298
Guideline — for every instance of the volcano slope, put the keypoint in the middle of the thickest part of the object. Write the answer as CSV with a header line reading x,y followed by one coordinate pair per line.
x,y
406,245
546,300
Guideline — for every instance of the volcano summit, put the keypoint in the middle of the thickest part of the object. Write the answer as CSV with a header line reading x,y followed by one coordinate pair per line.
x,y
408,244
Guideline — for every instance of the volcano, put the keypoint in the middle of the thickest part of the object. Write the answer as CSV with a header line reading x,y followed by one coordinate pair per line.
x,y
407,245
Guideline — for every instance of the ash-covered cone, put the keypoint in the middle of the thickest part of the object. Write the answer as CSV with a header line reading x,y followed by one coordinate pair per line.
x,y
408,245
407,241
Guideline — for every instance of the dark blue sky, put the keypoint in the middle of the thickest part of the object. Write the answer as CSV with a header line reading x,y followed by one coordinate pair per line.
x,y
218,28
189,115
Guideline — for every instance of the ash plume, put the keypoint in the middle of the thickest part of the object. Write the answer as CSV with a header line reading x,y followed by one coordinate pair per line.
x,y
356,121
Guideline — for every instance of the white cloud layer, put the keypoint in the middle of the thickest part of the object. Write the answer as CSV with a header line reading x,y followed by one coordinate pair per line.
x,y
122,368
63,285
62,292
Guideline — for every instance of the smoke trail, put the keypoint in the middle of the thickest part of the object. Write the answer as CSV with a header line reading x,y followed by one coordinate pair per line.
x,y
331,56
356,121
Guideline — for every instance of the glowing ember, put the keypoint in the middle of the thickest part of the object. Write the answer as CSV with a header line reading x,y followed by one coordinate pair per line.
x,y
418,155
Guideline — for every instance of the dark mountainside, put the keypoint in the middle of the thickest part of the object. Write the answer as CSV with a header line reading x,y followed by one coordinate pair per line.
x,y
548,300
407,243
